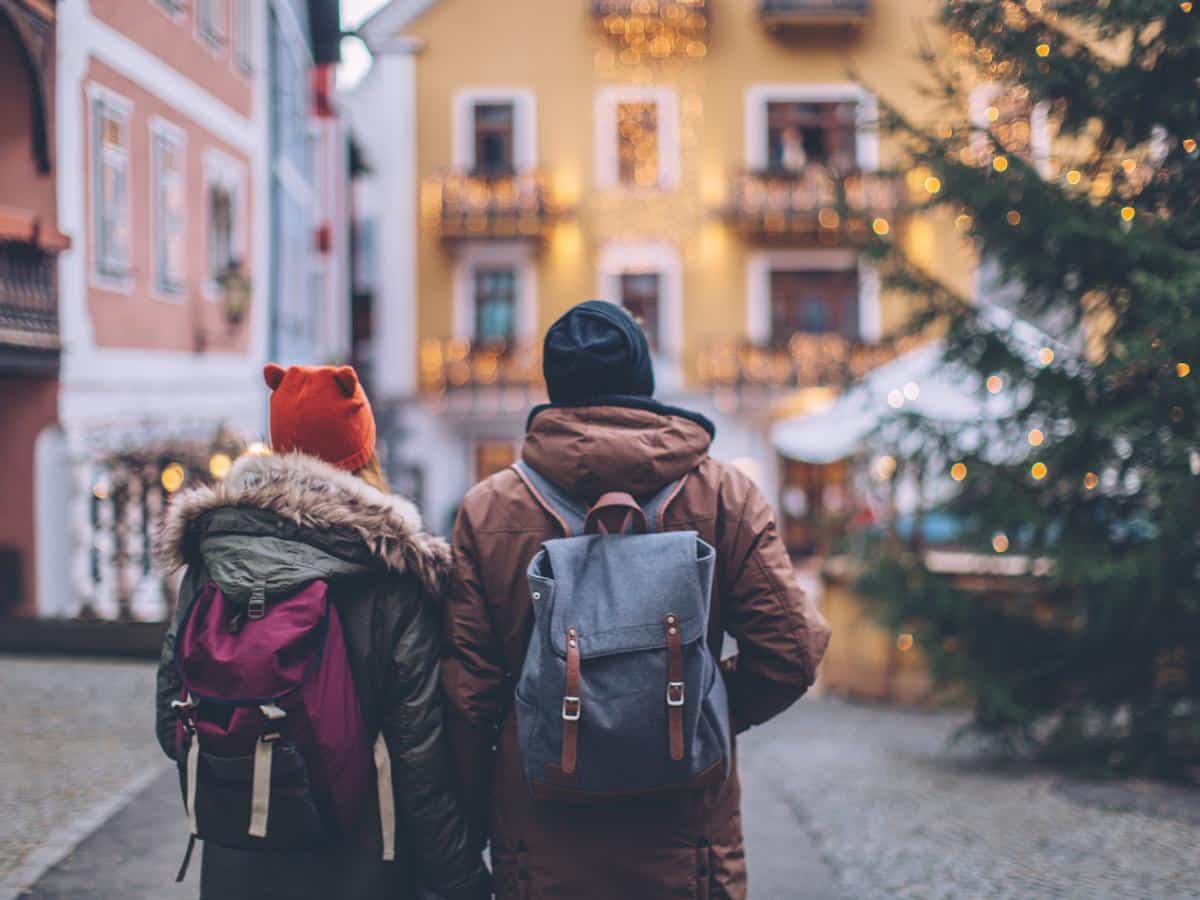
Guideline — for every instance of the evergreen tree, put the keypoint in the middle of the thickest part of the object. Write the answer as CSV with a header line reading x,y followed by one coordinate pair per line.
x,y
1101,238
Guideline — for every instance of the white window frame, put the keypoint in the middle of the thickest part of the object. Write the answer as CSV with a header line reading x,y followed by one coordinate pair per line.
x,y
473,256
608,167
981,98
241,36
524,125
110,103
221,168
658,257
162,130
866,126
217,38
758,287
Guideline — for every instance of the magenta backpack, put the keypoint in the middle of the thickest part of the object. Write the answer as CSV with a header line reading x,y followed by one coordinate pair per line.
x,y
272,749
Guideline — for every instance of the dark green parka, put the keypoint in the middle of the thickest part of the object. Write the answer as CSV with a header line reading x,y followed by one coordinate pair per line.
x,y
281,522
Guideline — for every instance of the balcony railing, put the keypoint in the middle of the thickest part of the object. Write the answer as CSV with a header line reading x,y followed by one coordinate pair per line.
x,y
743,374
816,204
464,205
654,29
783,13
486,378
28,298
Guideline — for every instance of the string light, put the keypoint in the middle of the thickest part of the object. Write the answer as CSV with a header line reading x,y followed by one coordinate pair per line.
x,y
173,477
1000,163
958,471
1014,217
1000,542
1038,470
1045,356
964,223
881,227
933,184
912,390
895,399
258,448
219,465
904,642
883,468
1036,437
995,384
1186,6
100,490
1090,481
1127,213
1129,165
1043,50
1183,370
1074,176
1190,145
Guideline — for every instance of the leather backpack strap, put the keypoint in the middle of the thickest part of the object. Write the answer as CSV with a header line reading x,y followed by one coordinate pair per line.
x,y
615,502
572,707
675,687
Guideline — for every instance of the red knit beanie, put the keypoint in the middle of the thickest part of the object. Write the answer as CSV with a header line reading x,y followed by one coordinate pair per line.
x,y
321,411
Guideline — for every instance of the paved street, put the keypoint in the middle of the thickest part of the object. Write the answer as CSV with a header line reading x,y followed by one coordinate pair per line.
x,y
840,801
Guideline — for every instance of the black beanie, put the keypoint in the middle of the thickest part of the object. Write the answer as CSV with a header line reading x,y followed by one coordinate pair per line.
x,y
594,350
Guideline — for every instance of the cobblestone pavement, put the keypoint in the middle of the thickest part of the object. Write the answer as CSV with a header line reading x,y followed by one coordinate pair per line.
x,y
72,735
899,813
839,801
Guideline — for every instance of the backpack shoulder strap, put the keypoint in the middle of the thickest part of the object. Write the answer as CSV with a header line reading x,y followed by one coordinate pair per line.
x,y
656,507
569,514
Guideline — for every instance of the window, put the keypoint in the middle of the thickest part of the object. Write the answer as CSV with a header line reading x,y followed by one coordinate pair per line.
x,y
223,178
243,35
110,177
799,133
169,193
640,295
172,7
813,302
637,138
494,151
208,22
637,144
495,306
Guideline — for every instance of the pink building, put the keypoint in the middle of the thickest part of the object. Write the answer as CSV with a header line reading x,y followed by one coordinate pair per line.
x,y
194,169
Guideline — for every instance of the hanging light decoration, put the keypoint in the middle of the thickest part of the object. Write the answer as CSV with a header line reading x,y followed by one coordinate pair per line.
x,y
654,29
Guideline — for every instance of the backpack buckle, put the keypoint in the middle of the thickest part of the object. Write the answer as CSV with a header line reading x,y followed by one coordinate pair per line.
x,y
674,693
257,607
571,709
272,723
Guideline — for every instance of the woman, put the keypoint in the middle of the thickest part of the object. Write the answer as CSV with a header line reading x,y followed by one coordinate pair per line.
x,y
319,510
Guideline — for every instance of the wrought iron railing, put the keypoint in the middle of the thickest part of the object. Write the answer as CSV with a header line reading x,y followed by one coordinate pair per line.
x,y
655,29
28,296
467,205
456,366
816,203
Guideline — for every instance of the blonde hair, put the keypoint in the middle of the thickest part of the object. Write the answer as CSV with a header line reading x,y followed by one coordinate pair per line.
x,y
372,473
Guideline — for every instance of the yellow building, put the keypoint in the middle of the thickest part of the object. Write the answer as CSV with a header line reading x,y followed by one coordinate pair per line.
x,y
714,165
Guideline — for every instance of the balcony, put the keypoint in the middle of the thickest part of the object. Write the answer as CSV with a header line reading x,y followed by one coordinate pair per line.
x,y
801,13
816,205
462,205
480,379
29,339
744,376
654,29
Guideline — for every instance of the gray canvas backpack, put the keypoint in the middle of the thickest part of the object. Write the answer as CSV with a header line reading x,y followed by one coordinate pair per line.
x,y
619,694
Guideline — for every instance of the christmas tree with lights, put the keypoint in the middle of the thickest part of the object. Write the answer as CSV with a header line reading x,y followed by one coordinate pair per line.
x,y
1067,153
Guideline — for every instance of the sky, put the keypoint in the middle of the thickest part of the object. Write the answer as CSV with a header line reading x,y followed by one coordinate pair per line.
x,y
355,58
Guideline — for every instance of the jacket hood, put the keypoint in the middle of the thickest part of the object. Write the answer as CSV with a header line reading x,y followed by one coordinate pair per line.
x,y
282,520
589,450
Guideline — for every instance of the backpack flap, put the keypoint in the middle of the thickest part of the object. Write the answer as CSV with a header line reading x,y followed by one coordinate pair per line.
x,y
617,590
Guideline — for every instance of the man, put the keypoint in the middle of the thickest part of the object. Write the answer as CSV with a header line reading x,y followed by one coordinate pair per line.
x,y
602,432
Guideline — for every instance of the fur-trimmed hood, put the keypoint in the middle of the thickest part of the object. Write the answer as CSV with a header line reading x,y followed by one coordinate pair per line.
x,y
314,496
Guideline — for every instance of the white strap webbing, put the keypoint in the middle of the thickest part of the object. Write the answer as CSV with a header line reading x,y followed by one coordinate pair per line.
x,y
387,800
260,786
193,767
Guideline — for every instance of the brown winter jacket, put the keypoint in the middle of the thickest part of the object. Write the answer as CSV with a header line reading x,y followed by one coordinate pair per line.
x,y
677,846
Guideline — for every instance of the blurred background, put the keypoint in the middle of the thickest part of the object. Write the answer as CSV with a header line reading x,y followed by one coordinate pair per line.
x,y
929,265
